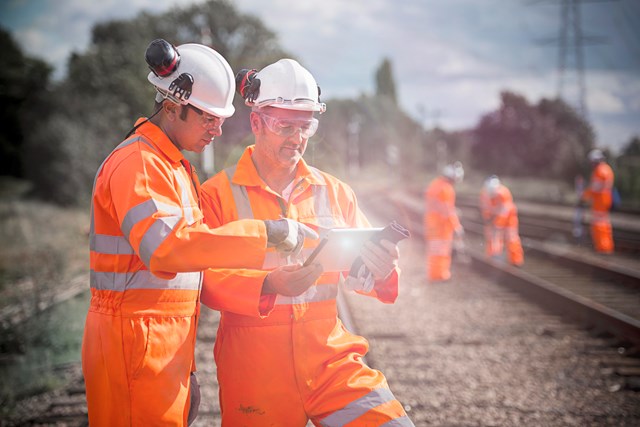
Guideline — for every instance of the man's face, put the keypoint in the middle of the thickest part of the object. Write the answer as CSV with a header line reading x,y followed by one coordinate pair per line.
x,y
282,135
192,129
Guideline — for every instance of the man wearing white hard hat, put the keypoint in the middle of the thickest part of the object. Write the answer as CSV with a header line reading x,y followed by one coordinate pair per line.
x,y
500,216
599,193
149,246
441,222
282,354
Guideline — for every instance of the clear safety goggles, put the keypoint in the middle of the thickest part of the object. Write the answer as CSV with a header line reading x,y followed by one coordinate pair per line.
x,y
289,127
207,121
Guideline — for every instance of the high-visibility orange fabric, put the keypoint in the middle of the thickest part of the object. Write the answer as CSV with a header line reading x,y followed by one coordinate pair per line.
x,y
440,222
284,360
599,194
148,248
485,212
501,225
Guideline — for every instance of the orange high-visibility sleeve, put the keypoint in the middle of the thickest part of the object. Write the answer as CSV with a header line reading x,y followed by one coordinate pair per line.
x,y
237,291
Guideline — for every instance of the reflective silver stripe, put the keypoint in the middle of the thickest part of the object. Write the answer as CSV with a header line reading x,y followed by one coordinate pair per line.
x,y
154,236
142,279
240,196
185,201
321,202
315,293
358,407
439,247
158,231
399,422
110,245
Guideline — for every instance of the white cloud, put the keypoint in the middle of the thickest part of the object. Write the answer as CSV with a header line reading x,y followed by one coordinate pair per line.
x,y
450,56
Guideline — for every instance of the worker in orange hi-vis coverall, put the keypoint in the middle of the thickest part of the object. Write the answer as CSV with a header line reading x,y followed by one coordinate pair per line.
x,y
599,194
441,222
149,246
501,221
282,355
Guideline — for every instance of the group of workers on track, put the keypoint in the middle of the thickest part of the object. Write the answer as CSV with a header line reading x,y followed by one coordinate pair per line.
x,y
160,243
444,233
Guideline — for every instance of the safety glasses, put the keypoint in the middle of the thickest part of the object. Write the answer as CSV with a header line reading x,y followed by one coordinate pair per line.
x,y
289,127
207,121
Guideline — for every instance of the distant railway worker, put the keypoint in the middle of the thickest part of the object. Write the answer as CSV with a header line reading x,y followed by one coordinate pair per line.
x,y
282,354
149,246
441,222
500,217
599,194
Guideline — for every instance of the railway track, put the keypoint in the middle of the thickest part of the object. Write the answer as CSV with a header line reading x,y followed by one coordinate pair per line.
x,y
602,286
600,295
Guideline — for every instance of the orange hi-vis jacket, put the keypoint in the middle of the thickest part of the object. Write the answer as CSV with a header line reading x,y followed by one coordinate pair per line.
x,y
149,247
600,186
501,213
440,222
599,193
283,360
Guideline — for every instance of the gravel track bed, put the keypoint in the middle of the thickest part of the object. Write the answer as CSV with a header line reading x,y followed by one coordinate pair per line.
x,y
473,353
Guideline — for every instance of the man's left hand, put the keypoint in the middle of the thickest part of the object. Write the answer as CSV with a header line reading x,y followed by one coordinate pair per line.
x,y
380,259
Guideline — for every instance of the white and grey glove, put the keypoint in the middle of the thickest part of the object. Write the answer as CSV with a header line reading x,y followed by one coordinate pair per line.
x,y
287,235
363,281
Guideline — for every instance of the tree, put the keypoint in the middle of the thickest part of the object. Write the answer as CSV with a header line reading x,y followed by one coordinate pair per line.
x,y
627,172
23,80
385,84
519,139
106,89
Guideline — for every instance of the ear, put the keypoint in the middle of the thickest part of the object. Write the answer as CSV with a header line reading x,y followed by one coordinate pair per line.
x,y
170,109
256,122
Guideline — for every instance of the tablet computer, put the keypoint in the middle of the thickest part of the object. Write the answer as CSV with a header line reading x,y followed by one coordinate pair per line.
x,y
340,247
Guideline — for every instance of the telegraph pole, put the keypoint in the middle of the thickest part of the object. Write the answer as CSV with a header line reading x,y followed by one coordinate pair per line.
x,y
571,41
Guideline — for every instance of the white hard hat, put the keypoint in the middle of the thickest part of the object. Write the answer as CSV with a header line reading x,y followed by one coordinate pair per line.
x,y
492,184
196,75
595,155
287,84
454,171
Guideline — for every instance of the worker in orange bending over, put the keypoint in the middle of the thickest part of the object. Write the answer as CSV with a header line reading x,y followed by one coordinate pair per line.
x,y
282,354
441,222
149,246
500,217
599,194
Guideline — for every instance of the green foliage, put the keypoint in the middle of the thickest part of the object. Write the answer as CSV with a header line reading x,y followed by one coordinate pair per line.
x,y
106,90
22,81
520,139
386,138
627,173
385,84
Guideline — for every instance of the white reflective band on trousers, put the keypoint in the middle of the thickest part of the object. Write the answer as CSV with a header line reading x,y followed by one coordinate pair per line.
x,y
359,407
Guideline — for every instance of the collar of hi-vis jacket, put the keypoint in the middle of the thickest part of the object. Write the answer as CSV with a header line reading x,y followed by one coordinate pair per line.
x,y
156,136
247,175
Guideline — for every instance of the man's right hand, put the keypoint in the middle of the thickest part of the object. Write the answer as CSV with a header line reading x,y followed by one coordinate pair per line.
x,y
291,280
287,235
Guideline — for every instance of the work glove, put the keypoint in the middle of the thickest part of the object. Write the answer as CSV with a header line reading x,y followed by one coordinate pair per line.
x,y
291,280
194,400
287,235
378,262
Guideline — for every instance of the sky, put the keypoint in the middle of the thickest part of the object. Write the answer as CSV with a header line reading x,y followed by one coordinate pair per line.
x,y
450,58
